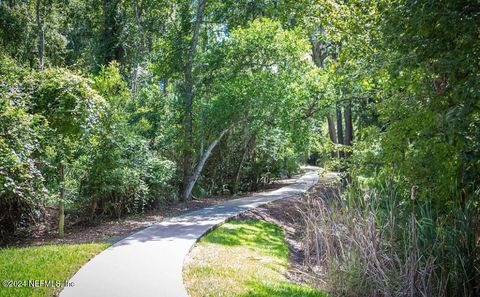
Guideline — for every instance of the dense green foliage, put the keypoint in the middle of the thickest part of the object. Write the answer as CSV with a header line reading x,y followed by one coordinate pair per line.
x,y
22,183
99,105
410,71
113,107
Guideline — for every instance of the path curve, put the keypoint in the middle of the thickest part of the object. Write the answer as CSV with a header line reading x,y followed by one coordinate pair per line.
x,y
149,263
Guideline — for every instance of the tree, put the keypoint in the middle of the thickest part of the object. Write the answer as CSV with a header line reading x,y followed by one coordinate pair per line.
x,y
189,177
262,64
68,104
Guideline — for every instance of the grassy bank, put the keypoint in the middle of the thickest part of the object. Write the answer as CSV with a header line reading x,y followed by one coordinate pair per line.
x,y
26,271
242,258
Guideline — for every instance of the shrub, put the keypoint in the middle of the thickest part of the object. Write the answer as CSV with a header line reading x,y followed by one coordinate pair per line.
x,y
21,182
120,173
123,176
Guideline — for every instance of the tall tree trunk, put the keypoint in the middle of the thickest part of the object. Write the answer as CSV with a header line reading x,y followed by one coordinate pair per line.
x,y
61,204
332,133
137,16
348,134
319,51
340,130
41,36
111,49
188,99
107,38
187,192
138,46
348,124
319,54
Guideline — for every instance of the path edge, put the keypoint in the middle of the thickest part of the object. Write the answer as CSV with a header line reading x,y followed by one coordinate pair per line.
x,y
214,227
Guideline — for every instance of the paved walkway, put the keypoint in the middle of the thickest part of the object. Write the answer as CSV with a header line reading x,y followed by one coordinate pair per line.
x,y
149,262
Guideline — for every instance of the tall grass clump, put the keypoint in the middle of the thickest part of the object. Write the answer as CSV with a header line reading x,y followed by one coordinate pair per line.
x,y
385,242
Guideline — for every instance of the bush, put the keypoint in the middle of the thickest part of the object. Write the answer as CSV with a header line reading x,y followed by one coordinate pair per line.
x,y
120,173
159,177
123,176
56,118
21,182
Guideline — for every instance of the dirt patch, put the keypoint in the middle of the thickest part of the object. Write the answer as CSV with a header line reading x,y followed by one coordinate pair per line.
x,y
287,214
111,230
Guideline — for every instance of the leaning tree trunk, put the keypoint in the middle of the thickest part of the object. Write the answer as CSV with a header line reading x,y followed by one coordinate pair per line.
x,y
187,192
188,99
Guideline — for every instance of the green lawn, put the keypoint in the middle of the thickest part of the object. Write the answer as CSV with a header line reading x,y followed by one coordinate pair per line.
x,y
242,258
42,263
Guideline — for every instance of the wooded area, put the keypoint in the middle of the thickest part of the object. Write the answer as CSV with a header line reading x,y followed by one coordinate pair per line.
x,y
111,107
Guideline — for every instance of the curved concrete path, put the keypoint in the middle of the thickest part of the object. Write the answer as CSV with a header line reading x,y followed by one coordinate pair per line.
x,y
149,262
